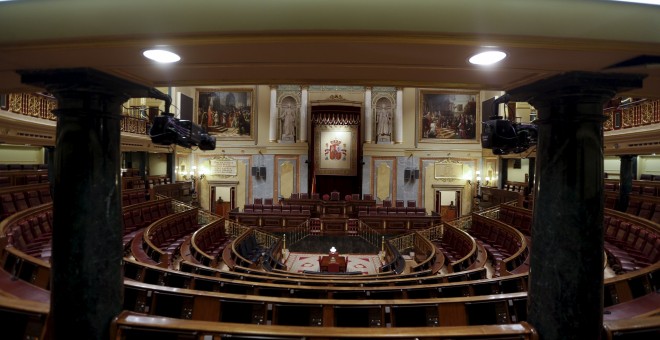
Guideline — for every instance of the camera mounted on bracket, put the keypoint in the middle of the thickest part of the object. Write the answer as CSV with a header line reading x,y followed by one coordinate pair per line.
x,y
504,136
168,130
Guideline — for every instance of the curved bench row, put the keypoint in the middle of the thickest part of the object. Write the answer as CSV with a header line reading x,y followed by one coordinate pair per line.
x,y
163,237
422,290
369,280
208,243
17,198
506,246
630,242
460,250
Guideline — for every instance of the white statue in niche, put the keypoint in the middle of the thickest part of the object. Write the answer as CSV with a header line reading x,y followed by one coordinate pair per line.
x,y
383,120
288,117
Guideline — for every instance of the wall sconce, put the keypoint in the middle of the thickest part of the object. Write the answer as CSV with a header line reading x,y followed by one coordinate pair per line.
x,y
190,176
487,182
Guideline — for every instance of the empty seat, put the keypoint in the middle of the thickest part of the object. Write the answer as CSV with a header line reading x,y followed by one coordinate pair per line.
x,y
129,225
4,181
633,207
19,201
268,201
33,198
411,204
304,195
648,191
636,190
7,208
147,217
44,195
32,179
646,210
646,177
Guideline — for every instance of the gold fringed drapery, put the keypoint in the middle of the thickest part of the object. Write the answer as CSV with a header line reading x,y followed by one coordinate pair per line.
x,y
336,118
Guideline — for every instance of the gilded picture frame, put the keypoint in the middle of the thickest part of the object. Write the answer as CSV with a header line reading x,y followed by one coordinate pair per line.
x,y
449,116
227,114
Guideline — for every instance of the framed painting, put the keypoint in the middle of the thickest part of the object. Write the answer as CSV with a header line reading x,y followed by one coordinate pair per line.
x,y
227,113
449,116
335,150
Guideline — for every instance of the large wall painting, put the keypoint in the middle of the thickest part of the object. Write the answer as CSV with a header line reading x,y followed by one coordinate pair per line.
x,y
448,116
227,113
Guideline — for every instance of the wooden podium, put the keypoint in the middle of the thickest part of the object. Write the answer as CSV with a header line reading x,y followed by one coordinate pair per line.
x,y
332,263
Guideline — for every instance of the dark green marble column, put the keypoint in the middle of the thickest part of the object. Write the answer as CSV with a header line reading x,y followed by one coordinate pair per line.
x,y
86,272
625,181
565,296
532,176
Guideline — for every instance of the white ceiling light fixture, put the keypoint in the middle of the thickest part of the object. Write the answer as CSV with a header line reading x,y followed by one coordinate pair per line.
x,y
161,56
644,2
487,58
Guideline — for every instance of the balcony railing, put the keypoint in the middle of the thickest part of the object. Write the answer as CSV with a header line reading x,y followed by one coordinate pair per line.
x,y
638,113
33,105
39,105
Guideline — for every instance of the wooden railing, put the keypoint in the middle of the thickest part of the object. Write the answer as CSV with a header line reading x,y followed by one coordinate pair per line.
x,y
423,249
263,240
24,319
131,325
237,307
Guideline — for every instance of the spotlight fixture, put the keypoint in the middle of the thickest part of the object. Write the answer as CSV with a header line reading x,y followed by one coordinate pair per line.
x,y
487,58
161,56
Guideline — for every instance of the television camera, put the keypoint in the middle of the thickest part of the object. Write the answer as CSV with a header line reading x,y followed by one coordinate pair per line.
x,y
167,130
504,136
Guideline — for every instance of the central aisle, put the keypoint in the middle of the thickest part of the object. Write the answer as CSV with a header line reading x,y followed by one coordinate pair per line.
x,y
300,262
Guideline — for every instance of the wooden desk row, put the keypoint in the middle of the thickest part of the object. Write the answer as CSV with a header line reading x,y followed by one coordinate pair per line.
x,y
131,325
262,310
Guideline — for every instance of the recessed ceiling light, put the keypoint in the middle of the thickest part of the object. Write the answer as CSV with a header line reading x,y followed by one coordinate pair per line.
x,y
487,58
645,2
161,56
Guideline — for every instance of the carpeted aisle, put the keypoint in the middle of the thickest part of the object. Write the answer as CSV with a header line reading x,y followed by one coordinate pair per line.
x,y
366,264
